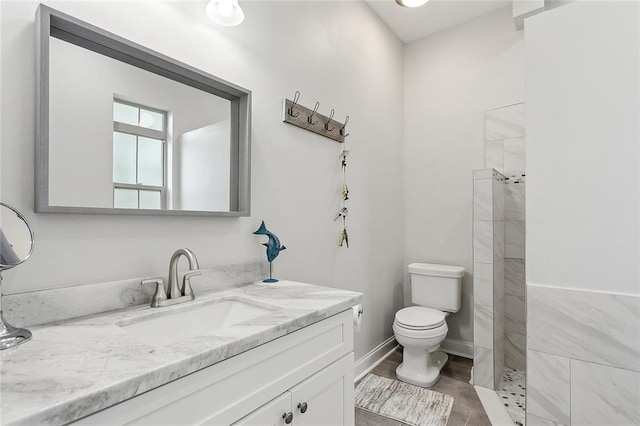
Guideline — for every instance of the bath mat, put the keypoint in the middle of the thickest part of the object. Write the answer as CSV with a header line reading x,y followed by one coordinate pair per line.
x,y
403,402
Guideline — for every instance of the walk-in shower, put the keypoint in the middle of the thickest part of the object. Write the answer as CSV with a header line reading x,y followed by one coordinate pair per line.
x,y
499,260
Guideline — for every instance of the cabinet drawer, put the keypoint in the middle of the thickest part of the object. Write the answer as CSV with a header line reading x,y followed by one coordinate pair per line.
x,y
227,391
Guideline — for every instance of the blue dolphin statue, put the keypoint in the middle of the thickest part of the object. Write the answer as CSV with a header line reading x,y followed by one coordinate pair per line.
x,y
273,245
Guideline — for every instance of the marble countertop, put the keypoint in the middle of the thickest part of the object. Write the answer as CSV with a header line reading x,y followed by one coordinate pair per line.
x,y
75,368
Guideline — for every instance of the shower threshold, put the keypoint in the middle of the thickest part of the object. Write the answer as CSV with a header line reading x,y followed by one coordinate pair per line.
x,y
506,405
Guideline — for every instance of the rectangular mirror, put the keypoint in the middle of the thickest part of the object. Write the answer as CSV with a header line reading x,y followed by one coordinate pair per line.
x,y
121,129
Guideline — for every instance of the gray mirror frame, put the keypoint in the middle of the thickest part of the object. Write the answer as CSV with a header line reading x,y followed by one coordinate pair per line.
x,y
50,22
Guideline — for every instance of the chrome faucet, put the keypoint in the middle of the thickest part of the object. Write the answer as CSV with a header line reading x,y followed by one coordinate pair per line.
x,y
174,290
174,294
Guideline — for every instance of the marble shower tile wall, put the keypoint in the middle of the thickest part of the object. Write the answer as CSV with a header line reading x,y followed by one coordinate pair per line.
x,y
586,372
548,386
483,272
504,140
596,327
505,123
515,319
505,152
498,279
514,157
514,218
483,242
514,277
514,311
488,253
515,200
483,372
539,421
483,367
514,350
515,306
604,395
494,155
514,231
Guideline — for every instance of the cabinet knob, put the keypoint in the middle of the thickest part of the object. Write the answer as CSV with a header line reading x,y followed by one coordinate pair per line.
x,y
288,417
303,407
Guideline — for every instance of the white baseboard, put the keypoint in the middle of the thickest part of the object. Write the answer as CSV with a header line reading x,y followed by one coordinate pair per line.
x,y
496,412
374,357
458,347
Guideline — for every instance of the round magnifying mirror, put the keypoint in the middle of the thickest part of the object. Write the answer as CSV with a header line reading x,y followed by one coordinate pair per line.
x,y
16,237
16,246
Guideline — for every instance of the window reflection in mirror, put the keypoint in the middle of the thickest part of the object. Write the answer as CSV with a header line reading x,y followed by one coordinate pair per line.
x,y
139,140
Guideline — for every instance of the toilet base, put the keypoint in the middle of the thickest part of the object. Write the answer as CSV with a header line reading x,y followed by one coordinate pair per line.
x,y
421,368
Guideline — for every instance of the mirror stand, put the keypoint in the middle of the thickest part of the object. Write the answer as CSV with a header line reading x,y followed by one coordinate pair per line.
x,y
16,246
10,336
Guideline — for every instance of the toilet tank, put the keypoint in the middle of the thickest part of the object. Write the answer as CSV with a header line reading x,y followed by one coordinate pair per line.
x,y
436,286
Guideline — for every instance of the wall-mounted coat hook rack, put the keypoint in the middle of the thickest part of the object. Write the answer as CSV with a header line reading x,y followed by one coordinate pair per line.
x,y
310,118
326,125
306,118
342,132
296,97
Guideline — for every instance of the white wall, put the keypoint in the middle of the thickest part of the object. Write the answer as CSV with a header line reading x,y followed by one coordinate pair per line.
x,y
451,79
1,113
582,148
350,62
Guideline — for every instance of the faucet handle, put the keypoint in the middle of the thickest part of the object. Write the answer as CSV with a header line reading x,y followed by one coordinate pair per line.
x,y
186,283
160,294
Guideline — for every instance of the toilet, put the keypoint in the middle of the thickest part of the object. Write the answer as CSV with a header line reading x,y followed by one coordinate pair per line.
x,y
435,292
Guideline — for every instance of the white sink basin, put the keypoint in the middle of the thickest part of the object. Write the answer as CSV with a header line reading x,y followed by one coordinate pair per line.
x,y
192,320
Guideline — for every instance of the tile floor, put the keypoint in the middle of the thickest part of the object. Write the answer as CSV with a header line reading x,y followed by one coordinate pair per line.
x,y
454,380
511,391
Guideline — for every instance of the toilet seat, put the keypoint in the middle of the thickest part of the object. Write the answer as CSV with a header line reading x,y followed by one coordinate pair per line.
x,y
419,318
422,334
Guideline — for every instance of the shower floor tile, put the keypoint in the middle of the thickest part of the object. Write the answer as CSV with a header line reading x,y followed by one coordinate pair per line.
x,y
512,391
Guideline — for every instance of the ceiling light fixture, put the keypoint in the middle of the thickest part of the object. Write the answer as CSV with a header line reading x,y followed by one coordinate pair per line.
x,y
225,12
411,3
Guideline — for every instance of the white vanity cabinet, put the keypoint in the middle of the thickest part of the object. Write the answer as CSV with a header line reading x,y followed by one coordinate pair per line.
x,y
328,396
273,413
313,365
324,399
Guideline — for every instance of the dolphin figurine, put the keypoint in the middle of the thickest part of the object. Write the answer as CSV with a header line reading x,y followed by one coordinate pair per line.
x,y
273,249
273,245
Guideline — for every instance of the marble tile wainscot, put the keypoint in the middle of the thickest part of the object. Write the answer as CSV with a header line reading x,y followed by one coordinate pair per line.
x,y
577,373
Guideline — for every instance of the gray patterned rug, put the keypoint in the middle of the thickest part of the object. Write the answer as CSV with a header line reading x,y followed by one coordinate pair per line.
x,y
403,402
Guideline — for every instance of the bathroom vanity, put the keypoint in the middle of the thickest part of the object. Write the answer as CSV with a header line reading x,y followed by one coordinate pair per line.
x,y
253,354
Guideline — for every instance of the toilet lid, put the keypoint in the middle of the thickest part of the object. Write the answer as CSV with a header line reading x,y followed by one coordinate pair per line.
x,y
419,318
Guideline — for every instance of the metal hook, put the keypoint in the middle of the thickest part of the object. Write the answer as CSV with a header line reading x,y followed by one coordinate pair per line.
x,y
296,97
346,120
326,125
310,118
